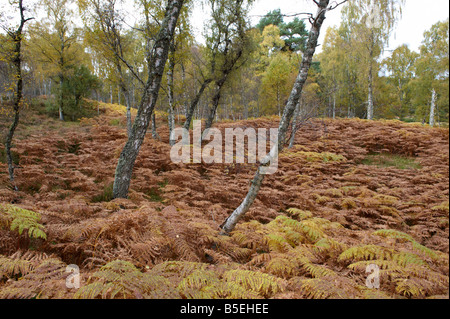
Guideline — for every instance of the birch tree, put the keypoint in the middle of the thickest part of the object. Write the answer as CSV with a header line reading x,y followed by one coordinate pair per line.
x,y
229,40
55,41
317,21
13,55
372,23
157,58
432,73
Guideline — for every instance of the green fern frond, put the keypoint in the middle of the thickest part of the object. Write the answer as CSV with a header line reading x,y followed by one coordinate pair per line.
x,y
16,218
318,271
277,243
329,288
425,250
390,233
195,286
405,259
312,230
282,267
367,252
299,214
264,284
120,279
329,245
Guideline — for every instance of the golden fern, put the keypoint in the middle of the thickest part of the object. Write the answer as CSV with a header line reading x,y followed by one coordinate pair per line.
x,y
120,279
263,284
330,287
390,233
39,276
16,265
299,214
319,271
198,285
366,252
282,267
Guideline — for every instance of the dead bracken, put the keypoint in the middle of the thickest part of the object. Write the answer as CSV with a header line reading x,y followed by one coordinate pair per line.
x,y
314,228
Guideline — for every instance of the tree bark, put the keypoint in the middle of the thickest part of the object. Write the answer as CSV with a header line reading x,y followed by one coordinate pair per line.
x,y
334,105
155,134
294,124
231,222
61,98
158,59
433,108
370,79
194,103
170,89
215,103
16,37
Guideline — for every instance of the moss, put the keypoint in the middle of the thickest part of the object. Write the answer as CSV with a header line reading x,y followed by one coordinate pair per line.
x,y
385,160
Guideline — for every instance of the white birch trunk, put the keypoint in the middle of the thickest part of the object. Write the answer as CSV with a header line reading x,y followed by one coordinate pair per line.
x,y
433,108
231,222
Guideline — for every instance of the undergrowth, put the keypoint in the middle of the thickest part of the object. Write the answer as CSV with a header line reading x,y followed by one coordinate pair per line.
x,y
312,233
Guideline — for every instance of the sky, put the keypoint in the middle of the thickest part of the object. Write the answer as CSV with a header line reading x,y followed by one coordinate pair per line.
x,y
418,17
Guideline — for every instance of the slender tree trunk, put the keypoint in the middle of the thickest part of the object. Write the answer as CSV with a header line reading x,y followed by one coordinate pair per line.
x,y
118,94
155,134
61,97
16,37
231,222
185,97
433,108
159,55
194,104
334,106
170,90
215,102
129,121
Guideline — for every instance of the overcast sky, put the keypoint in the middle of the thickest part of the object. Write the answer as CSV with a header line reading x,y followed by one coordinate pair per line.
x,y
418,16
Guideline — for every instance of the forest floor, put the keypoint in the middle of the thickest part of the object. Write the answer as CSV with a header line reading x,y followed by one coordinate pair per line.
x,y
349,195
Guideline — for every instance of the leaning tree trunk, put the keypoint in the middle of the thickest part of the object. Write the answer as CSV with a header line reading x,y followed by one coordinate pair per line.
x,y
294,124
159,55
231,222
433,108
